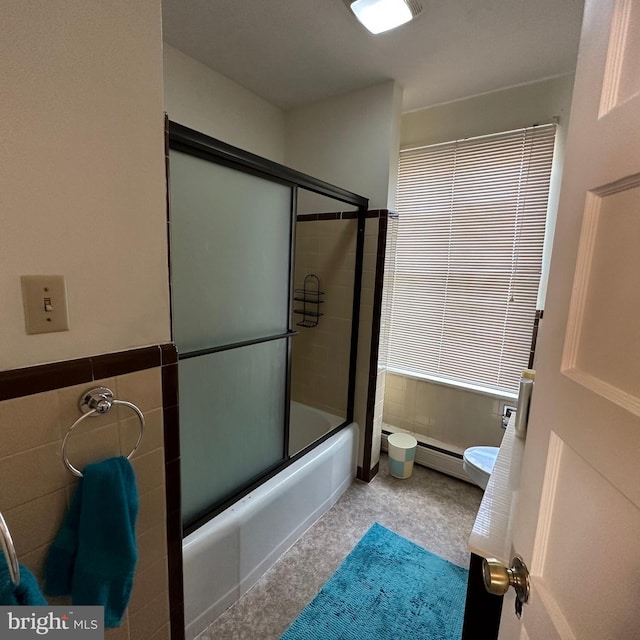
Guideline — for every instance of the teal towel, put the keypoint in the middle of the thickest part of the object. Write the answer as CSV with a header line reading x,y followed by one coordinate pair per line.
x,y
27,593
94,555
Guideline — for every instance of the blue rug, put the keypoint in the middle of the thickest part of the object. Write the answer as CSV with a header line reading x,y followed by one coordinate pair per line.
x,y
387,588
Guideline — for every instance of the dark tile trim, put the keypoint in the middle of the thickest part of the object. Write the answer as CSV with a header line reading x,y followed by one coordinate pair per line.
x,y
314,217
168,353
171,417
117,364
173,491
372,473
167,175
342,215
170,385
534,337
482,610
24,382
16,383
375,349
355,312
176,614
174,549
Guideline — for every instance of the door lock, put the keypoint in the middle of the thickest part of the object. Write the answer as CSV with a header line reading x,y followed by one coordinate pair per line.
x,y
498,579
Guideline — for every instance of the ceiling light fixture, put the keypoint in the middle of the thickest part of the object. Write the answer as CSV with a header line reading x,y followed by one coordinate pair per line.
x,y
382,15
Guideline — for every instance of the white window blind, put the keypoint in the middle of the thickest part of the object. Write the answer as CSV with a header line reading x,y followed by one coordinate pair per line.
x,y
469,256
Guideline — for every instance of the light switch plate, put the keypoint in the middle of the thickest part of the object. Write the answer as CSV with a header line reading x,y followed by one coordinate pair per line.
x,y
45,304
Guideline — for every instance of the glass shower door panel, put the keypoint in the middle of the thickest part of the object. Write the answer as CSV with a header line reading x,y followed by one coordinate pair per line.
x,y
232,409
230,248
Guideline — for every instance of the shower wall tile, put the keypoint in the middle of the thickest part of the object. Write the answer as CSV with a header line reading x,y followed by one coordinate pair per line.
x,y
150,618
149,468
115,364
34,561
129,430
28,422
99,443
323,247
38,520
152,544
152,508
395,382
380,388
35,486
121,633
31,474
453,416
320,360
32,380
145,386
162,634
370,255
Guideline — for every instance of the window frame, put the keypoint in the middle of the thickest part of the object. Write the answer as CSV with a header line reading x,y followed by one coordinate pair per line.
x,y
454,167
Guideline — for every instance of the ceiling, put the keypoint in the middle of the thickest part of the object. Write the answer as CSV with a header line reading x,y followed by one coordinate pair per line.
x,y
294,52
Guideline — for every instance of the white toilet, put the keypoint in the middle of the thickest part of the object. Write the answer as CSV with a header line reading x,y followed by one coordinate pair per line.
x,y
478,463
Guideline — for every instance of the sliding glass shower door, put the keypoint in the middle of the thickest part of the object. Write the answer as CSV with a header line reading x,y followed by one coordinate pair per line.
x,y
231,236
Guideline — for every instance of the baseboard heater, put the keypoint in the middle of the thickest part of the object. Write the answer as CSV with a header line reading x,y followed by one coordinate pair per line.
x,y
434,457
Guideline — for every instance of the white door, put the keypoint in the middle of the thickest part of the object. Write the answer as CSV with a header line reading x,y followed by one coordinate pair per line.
x,y
577,522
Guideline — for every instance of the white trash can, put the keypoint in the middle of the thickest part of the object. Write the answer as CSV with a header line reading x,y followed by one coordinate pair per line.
x,y
402,453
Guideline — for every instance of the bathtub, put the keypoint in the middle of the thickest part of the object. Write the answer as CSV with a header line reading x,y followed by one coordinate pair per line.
x,y
225,557
307,424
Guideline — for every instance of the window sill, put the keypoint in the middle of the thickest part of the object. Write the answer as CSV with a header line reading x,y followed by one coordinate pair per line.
x,y
485,391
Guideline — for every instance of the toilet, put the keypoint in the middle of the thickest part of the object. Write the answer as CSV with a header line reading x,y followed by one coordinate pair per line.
x,y
478,463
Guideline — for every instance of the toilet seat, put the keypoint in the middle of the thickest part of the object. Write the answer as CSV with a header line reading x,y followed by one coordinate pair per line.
x,y
478,463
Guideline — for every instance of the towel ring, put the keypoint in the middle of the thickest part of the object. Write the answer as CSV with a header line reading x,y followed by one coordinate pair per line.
x,y
9,552
94,403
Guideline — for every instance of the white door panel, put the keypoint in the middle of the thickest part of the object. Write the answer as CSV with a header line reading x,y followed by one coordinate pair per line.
x,y
577,522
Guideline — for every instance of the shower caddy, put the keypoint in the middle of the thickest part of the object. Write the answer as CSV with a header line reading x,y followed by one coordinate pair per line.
x,y
310,296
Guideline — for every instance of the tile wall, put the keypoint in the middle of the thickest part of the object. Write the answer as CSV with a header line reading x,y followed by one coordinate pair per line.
x,y
326,246
364,371
36,487
449,415
369,376
383,286
320,355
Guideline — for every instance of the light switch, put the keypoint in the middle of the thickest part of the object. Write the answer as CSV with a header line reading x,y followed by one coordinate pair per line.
x,y
45,303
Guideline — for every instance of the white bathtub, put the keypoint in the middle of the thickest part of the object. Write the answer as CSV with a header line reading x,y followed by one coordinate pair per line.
x,y
225,557
307,424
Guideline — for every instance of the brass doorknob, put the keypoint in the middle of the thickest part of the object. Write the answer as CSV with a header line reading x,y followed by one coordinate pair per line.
x,y
498,578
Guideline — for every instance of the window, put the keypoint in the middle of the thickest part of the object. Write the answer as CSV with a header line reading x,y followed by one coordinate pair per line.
x,y
469,257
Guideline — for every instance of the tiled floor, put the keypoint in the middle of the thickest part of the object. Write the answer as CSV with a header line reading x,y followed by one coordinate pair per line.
x,y
431,509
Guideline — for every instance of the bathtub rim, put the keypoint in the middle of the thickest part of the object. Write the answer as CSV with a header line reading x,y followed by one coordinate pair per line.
x,y
258,481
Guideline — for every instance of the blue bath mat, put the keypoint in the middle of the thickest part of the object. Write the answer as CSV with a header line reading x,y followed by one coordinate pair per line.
x,y
386,589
